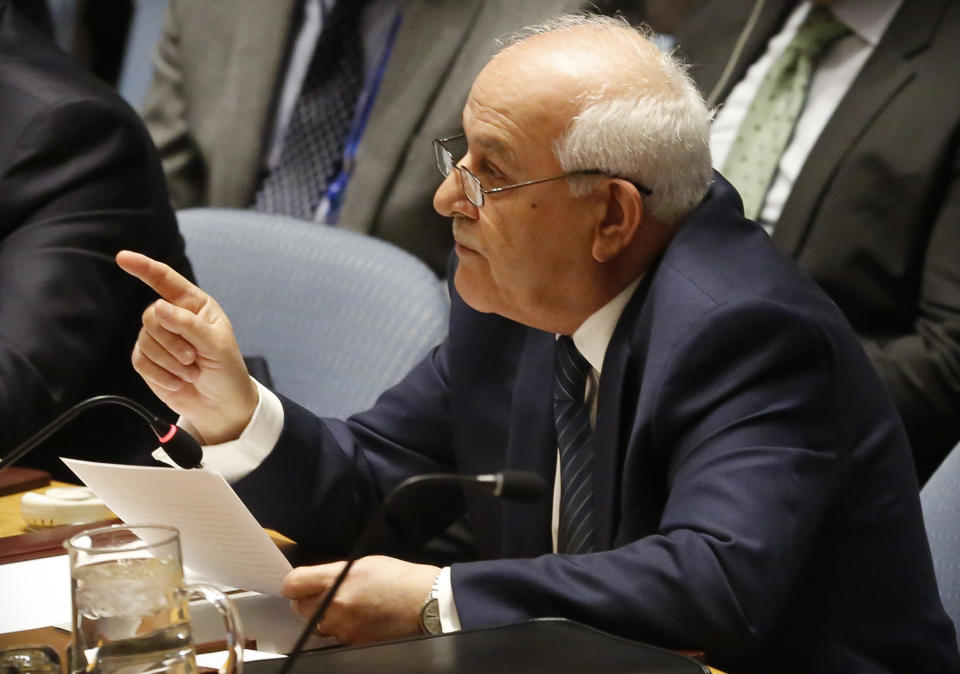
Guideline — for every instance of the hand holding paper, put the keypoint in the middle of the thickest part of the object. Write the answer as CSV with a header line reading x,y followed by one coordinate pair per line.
x,y
221,539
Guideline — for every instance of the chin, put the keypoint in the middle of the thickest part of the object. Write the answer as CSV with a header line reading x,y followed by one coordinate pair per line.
x,y
473,290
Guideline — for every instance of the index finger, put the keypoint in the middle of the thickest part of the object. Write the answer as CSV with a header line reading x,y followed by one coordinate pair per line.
x,y
170,285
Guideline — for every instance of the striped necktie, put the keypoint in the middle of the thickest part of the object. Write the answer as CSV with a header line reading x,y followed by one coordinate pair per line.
x,y
768,125
572,418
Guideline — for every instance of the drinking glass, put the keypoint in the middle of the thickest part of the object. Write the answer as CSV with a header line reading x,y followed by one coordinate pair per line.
x,y
130,603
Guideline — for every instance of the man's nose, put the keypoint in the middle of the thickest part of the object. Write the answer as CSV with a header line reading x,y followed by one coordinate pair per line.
x,y
450,199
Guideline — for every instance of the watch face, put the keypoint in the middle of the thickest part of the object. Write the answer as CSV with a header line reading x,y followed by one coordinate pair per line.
x,y
430,617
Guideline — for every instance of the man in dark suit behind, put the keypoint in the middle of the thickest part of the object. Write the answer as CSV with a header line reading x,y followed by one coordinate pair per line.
x,y
733,477
873,212
79,180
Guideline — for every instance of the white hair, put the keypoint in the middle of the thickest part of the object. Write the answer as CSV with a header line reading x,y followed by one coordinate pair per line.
x,y
654,131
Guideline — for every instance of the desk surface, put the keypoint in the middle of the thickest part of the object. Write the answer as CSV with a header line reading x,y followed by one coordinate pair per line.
x,y
545,645
11,523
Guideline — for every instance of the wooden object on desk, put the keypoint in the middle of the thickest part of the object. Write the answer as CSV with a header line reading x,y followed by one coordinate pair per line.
x,y
43,542
287,545
47,636
11,522
49,542
15,479
18,542
59,640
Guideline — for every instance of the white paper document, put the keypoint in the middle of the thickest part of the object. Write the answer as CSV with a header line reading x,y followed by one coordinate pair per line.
x,y
220,538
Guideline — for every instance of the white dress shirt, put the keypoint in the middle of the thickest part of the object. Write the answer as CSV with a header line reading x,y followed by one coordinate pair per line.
x,y
833,76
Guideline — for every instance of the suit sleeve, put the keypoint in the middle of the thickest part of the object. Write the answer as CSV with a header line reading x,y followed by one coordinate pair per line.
x,y
335,473
78,184
165,114
743,423
921,370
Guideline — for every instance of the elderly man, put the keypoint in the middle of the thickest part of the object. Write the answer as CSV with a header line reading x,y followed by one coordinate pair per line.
x,y
730,474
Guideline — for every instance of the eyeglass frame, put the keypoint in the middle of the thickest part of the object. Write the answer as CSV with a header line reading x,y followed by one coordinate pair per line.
x,y
439,146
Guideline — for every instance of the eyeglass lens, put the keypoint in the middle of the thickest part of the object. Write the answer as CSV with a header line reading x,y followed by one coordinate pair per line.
x,y
444,159
471,187
468,181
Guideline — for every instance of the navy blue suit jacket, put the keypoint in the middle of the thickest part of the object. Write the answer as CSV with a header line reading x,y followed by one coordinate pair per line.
x,y
755,493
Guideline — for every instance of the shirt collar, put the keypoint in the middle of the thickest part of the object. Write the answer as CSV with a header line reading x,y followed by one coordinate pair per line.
x,y
867,18
593,335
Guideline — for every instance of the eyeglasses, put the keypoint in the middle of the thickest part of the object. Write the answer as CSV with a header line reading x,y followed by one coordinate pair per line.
x,y
471,184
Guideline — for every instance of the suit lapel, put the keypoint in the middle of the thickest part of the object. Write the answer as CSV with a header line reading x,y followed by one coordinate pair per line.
x,y
407,91
884,76
532,446
618,395
257,61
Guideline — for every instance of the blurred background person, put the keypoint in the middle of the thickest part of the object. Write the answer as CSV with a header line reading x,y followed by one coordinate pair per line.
x,y
325,109
79,180
93,31
839,124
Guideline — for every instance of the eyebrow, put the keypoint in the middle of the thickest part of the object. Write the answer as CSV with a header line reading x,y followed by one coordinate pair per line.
x,y
496,147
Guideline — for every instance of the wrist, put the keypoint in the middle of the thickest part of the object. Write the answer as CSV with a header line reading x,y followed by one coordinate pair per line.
x,y
229,426
430,611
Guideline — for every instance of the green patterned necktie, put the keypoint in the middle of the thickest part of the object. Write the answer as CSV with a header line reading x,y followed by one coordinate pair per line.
x,y
771,117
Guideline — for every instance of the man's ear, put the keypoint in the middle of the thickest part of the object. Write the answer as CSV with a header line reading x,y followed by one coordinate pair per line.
x,y
620,221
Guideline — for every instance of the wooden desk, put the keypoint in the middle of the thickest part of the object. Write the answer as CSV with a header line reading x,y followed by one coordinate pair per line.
x,y
12,524
18,542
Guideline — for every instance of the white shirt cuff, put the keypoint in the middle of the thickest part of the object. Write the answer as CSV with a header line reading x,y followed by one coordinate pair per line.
x,y
236,458
449,618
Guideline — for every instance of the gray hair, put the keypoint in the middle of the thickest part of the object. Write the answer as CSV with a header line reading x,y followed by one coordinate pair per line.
x,y
655,131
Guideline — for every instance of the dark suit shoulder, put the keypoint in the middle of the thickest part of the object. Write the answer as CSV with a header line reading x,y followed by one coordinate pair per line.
x,y
38,79
31,65
722,257
70,146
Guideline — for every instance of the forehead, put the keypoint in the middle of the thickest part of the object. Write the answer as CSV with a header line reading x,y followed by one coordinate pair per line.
x,y
520,101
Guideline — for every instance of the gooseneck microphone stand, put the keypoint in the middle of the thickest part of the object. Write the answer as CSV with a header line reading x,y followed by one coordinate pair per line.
x,y
179,445
518,485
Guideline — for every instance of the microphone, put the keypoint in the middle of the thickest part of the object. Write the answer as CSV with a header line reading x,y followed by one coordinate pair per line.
x,y
518,485
178,444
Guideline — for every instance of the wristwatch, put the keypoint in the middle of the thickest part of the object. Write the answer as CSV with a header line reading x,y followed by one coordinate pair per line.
x,y
430,611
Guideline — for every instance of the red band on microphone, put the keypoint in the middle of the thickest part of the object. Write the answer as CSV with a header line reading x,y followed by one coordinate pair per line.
x,y
169,434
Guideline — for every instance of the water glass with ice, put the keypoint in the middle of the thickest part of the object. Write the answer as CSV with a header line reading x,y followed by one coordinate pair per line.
x,y
130,603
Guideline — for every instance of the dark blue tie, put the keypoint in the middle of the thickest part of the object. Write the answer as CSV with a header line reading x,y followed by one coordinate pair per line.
x,y
313,143
572,418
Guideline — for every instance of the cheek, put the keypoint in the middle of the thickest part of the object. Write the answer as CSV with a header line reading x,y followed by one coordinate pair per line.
x,y
524,239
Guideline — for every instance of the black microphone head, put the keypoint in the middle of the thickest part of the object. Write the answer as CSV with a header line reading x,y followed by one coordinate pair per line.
x,y
521,485
181,447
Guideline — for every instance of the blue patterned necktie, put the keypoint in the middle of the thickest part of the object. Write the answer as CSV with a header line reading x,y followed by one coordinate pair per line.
x,y
572,418
313,144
